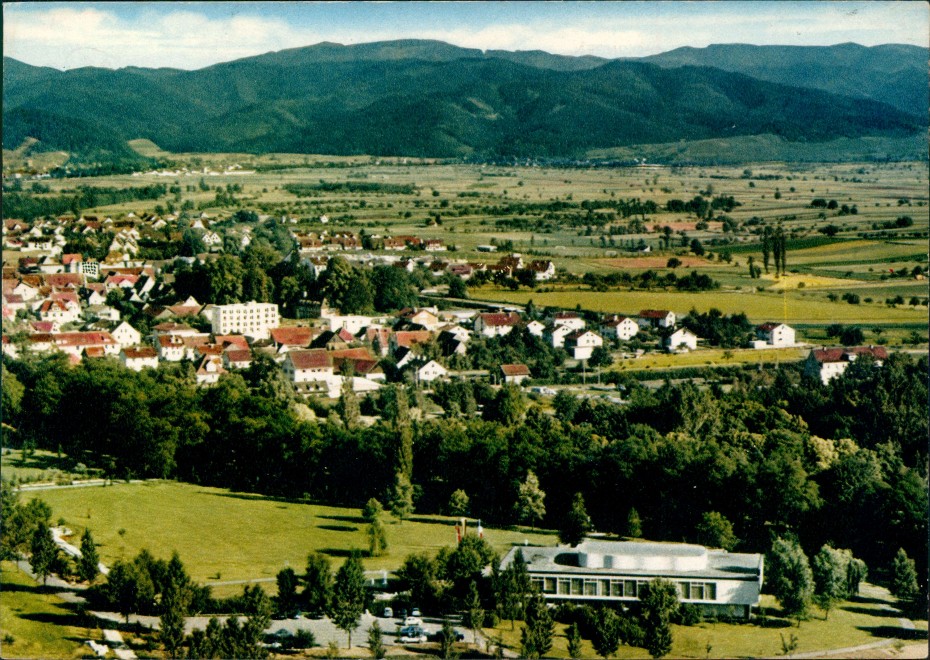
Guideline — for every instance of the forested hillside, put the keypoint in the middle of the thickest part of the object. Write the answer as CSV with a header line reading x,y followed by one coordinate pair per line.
x,y
432,99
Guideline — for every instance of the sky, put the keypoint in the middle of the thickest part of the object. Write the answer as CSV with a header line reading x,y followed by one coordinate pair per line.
x,y
191,35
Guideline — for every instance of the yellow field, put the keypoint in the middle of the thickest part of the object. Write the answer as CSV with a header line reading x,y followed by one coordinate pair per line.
x,y
758,306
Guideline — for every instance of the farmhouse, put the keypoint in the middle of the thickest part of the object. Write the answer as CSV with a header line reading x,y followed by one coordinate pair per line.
x,y
717,581
828,363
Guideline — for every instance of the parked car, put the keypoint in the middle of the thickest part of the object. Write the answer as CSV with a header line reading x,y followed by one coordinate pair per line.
x,y
413,621
411,639
415,612
388,612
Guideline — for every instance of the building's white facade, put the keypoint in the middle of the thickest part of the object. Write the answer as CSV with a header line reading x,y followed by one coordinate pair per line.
x,y
582,343
776,335
431,371
251,319
126,335
681,339
718,581
624,328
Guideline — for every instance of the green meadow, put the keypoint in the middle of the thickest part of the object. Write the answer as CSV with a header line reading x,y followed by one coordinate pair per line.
x,y
227,536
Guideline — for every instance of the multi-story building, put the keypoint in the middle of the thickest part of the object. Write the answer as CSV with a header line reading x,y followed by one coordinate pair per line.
x,y
251,319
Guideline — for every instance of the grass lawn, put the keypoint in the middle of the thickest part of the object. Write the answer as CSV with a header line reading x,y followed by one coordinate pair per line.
x,y
41,466
40,625
222,536
861,621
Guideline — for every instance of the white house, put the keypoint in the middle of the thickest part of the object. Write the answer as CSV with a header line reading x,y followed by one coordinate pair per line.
x,y
828,363
568,319
431,371
656,318
620,327
515,373
306,366
496,324
542,270
557,334
776,334
209,370
582,343
171,348
138,359
62,311
681,339
536,328
721,583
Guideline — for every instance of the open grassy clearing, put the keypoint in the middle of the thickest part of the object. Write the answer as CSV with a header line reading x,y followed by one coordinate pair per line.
x,y
759,307
851,623
34,624
223,536
40,466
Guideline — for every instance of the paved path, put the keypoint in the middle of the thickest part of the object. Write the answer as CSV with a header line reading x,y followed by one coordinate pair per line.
x,y
868,591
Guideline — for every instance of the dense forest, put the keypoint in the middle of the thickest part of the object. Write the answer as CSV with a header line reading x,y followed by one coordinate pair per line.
x,y
774,453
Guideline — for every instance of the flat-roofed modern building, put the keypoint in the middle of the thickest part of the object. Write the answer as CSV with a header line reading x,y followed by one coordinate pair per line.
x,y
251,319
721,583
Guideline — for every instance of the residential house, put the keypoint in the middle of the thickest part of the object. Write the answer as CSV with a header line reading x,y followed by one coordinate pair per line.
x,y
556,335
681,339
126,335
619,327
426,318
287,338
776,334
656,318
828,363
170,348
137,359
536,328
542,270
61,311
237,358
568,319
302,366
209,370
496,324
581,343
514,374
431,371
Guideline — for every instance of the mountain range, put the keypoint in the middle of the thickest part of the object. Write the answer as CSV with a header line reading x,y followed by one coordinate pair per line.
x,y
428,98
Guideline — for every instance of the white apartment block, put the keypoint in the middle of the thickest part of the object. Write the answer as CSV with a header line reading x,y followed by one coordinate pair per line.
x,y
251,319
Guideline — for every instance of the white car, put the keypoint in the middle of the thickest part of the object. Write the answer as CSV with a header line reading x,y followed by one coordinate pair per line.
x,y
413,621
411,639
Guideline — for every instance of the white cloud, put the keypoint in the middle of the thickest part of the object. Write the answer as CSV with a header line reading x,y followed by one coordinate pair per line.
x,y
181,37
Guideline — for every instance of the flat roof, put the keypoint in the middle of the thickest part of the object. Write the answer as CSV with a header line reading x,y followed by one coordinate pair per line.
x,y
640,560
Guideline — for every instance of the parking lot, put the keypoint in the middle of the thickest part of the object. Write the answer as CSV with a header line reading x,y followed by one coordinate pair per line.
x,y
324,631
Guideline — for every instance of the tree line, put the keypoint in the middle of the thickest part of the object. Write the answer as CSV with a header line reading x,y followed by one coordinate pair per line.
x,y
777,453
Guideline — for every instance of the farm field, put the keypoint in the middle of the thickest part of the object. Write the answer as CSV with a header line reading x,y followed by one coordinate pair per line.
x,y
758,306
34,624
225,536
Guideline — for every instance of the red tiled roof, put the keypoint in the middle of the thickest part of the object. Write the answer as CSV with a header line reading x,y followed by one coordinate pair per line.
x,y
408,338
312,359
233,342
293,336
843,354
515,370
768,327
143,352
239,355
497,319
352,354
653,313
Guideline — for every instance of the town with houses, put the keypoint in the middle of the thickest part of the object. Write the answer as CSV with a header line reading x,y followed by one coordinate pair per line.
x,y
55,301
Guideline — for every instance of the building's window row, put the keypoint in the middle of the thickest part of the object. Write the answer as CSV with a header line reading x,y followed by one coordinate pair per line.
x,y
618,588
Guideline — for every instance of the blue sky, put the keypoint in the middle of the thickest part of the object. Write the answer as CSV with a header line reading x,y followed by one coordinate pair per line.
x,y
191,35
